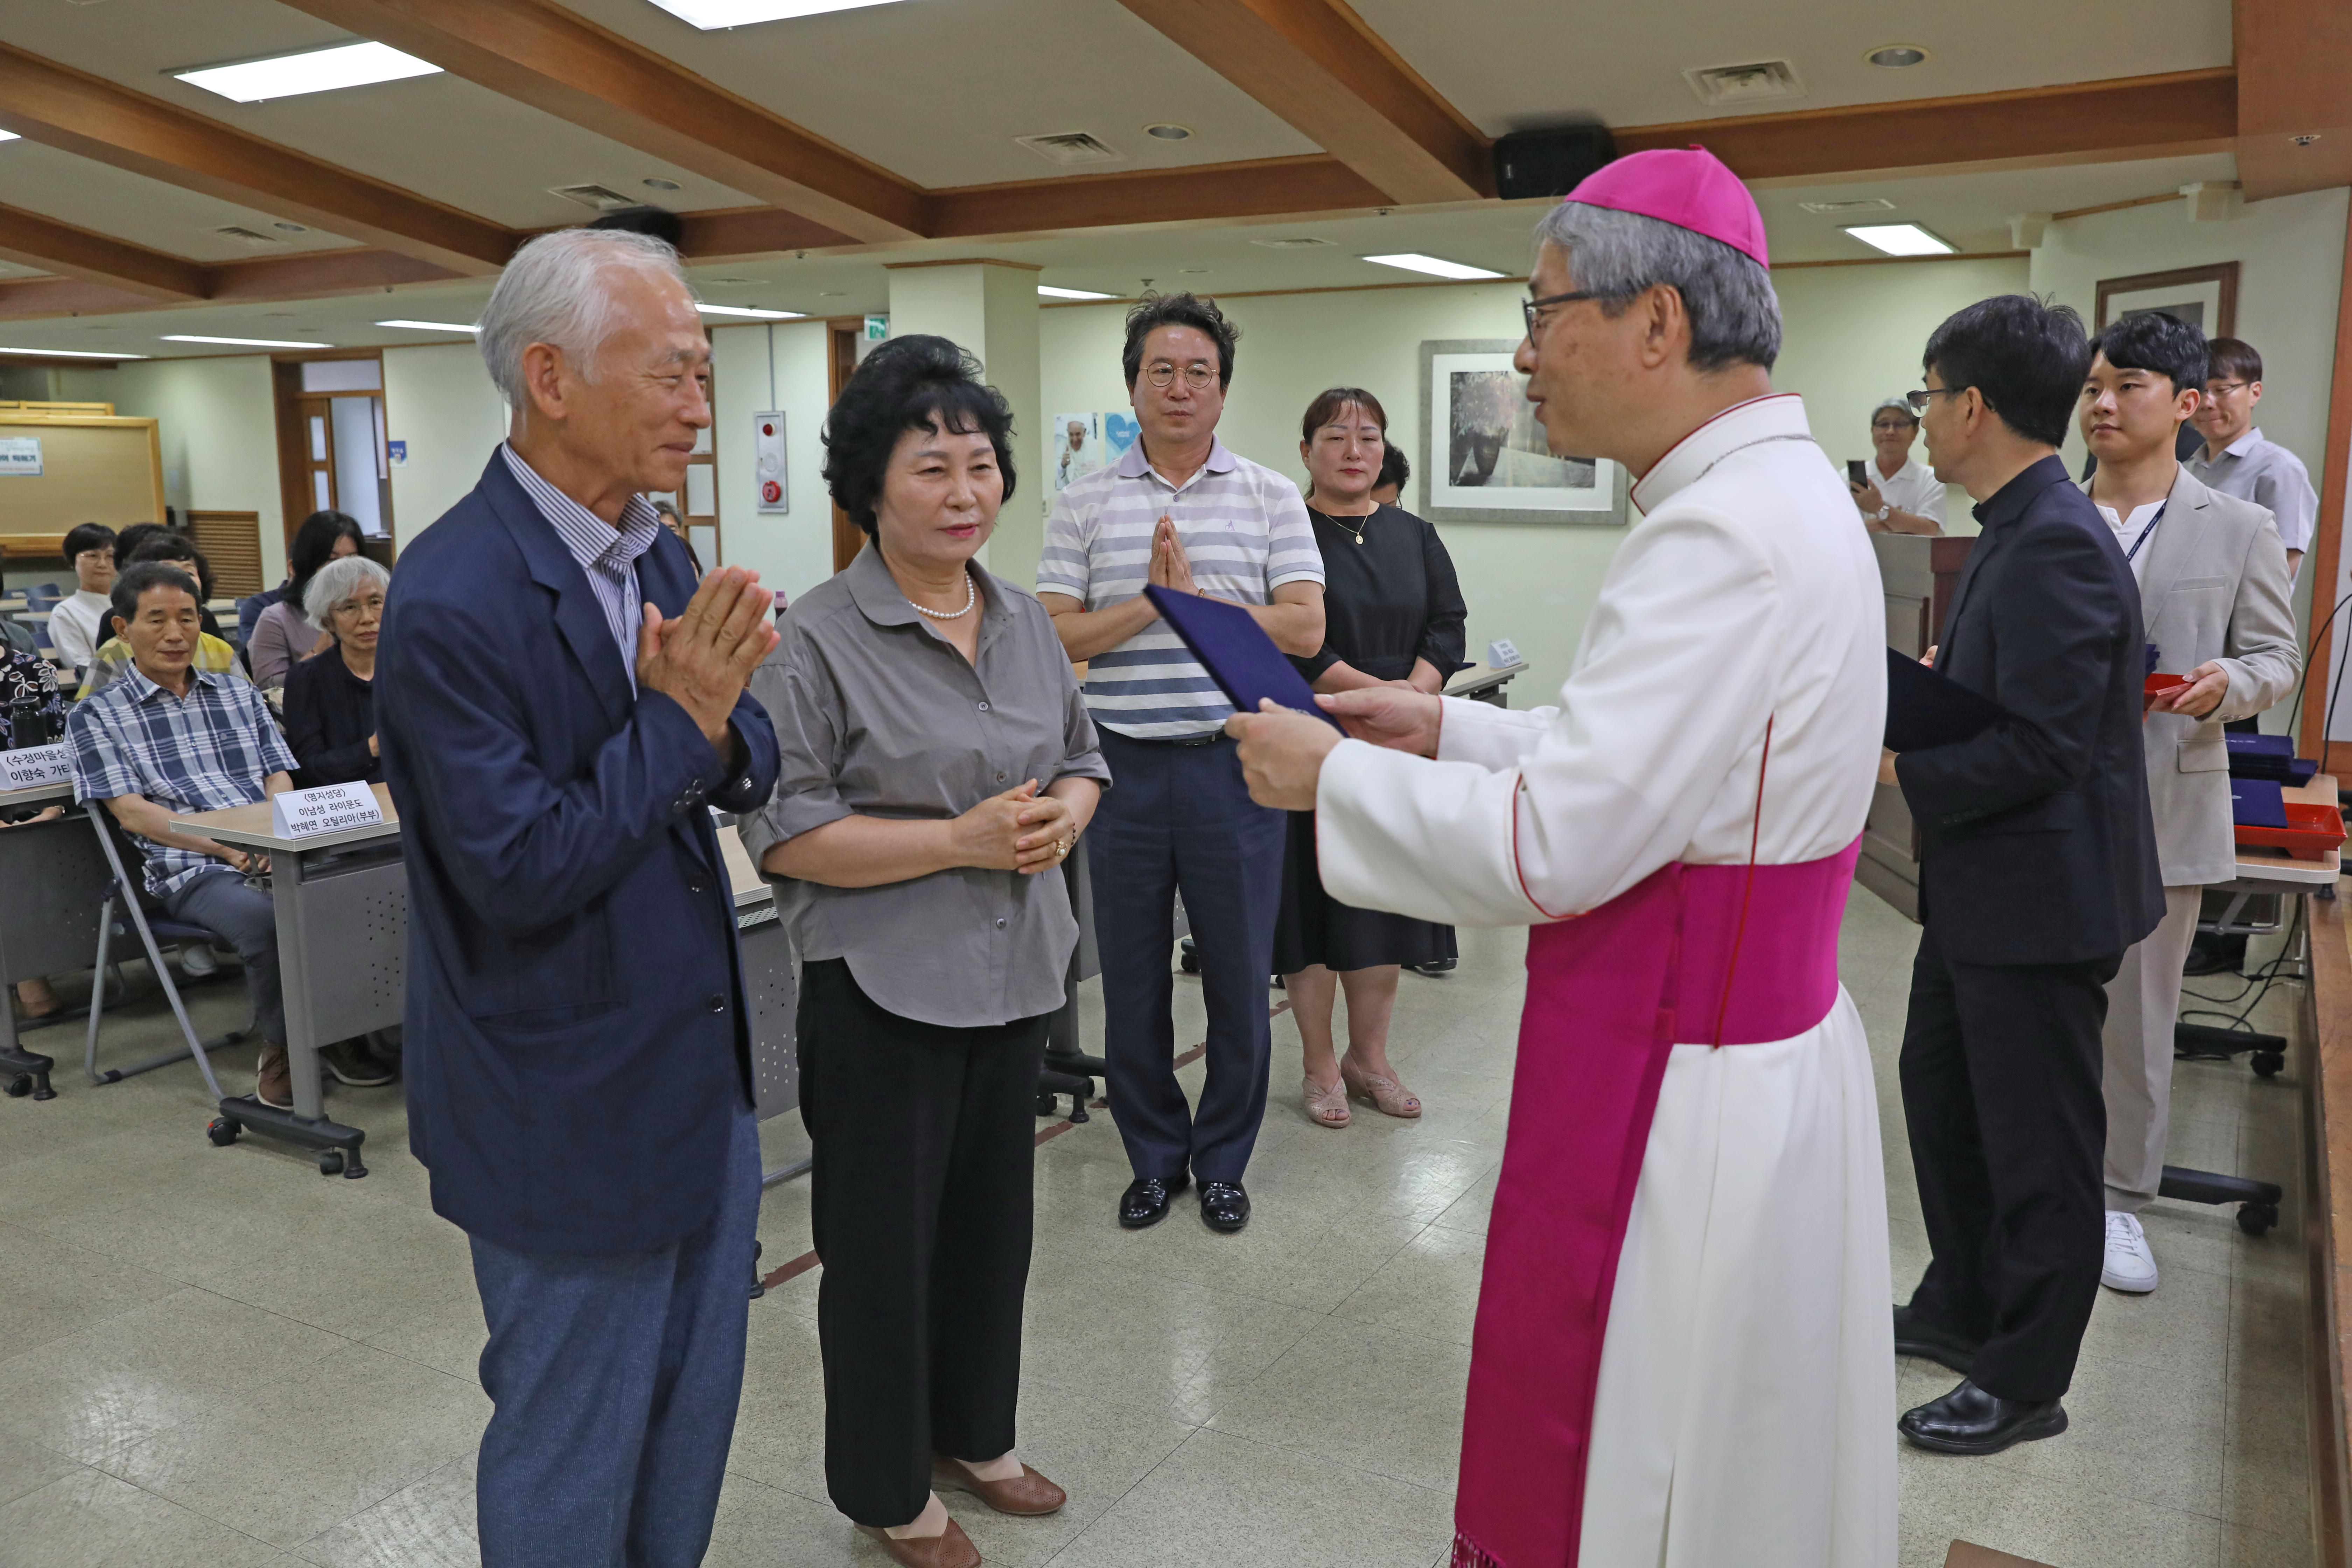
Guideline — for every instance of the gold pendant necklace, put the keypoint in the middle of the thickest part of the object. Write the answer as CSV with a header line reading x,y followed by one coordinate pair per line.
x,y
1351,528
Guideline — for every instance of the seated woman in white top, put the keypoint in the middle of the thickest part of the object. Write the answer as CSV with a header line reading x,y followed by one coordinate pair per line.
x,y
1901,494
78,625
284,635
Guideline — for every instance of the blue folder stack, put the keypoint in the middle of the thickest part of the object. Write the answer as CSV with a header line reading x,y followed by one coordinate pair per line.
x,y
2270,757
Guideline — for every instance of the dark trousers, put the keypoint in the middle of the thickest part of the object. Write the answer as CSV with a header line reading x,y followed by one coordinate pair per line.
x,y
2000,1090
245,918
1178,818
613,1383
925,1141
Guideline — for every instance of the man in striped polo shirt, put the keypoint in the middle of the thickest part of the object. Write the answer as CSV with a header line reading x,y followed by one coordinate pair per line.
x,y
1182,512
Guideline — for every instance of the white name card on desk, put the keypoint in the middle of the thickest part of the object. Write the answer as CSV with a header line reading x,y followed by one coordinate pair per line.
x,y
30,767
330,809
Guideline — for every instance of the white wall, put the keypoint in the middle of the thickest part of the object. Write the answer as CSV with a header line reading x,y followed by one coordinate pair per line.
x,y
777,367
438,399
216,422
1853,335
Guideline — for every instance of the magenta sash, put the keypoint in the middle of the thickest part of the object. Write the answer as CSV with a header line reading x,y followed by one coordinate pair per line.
x,y
1696,954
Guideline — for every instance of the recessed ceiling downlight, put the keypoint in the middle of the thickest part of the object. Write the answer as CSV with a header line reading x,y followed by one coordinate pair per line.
x,y
1896,57
1168,132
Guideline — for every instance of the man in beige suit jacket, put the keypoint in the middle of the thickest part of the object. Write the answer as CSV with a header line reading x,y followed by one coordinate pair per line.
x,y
2214,599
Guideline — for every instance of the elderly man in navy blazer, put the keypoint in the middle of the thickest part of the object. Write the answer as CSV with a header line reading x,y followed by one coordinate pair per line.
x,y
560,705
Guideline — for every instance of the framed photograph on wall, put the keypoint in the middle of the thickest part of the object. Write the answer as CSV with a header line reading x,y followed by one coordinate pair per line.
x,y
1483,458
2204,297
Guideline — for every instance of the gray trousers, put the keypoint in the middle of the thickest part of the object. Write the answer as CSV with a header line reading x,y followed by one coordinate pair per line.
x,y
2143,1003
246,920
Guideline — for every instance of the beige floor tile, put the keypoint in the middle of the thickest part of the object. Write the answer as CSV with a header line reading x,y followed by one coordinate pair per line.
x,y
27,1466
50,1288
428,1524
1374,1399
446,1336
2257,1546
1944,1499
1430,1288
88,1520
780,1423
762,1527
1095,1448
1224,1500
311,1449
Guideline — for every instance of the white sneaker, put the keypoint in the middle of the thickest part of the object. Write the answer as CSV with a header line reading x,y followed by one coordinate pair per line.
x,y
2130,1265
196,960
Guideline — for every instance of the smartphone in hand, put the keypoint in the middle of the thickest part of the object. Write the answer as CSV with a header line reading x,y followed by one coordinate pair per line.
x,y
1853,473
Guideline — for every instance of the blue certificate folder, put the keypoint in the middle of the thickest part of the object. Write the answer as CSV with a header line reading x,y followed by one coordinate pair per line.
x,y
2256,803
1236,652
1925,709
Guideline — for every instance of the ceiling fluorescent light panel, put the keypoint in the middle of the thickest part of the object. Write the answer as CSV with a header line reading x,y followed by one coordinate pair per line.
x,y
710,14
1901,239
314,70
747,311
8,136
243,342
1436,267
72,354
1050,292
430,326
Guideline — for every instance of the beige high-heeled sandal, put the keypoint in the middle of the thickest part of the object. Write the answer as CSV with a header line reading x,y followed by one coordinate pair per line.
x,y
1327,1106
1387,1095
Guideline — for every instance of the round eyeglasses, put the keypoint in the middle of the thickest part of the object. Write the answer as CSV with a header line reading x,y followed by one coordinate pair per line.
x,y
1196,376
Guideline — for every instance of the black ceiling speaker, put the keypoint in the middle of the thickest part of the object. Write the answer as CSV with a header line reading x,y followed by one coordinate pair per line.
x,y
1549,162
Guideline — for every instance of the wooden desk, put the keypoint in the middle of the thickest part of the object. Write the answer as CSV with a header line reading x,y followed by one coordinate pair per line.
x,y
1481,682
341,900
52,872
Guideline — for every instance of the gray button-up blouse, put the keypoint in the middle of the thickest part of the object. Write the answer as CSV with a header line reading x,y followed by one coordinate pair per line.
x,y
877,714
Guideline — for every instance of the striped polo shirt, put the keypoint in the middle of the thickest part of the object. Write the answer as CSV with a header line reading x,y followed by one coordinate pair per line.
x,y
1246,534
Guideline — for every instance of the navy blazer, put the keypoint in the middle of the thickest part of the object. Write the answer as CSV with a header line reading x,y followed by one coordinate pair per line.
x,y
576,1039
2037,843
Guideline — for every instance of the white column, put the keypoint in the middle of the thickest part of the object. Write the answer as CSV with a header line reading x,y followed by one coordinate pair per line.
x,y
991,309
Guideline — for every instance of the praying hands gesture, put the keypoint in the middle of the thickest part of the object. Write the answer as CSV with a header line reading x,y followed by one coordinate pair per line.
x,y
702,658
1169,568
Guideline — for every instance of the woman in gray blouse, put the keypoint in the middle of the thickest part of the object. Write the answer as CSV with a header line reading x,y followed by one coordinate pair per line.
x,y
938,768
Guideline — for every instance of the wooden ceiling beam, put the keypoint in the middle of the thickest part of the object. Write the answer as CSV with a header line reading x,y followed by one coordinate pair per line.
x,y
539,54
2295,120
2172,115
1330,77
53,104
1308,185
29,239
274,279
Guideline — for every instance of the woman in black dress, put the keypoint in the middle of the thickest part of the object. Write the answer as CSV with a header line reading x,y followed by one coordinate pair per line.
x,y
1393,614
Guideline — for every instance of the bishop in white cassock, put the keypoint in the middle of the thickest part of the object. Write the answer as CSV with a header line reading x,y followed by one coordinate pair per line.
x,y
1684,1353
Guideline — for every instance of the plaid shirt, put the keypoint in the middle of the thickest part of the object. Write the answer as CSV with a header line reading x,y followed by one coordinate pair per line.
x,y
606,552
212,749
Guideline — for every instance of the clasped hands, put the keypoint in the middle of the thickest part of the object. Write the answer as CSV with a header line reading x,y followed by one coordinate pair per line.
x,y
1020,830
1169,568
1282,751
702,658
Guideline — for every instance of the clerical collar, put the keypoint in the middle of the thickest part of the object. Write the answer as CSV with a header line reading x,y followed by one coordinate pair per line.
x,y
1776,417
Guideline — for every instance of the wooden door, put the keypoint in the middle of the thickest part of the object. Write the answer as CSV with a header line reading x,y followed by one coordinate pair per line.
x,y
841,338
317,456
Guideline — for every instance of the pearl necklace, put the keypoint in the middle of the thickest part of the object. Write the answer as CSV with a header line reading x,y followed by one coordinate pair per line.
x,y
970,597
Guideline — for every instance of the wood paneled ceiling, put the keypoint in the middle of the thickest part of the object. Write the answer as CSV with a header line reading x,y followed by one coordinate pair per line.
x,y
889,130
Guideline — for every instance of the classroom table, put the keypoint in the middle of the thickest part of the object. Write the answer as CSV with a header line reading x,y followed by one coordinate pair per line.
x,y
53,874
769,983
1481,682
341,902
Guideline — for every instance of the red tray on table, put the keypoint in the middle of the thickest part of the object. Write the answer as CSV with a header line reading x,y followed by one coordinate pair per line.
x,y
2311,831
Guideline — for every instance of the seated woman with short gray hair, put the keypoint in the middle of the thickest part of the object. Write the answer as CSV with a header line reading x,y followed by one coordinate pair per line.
x,y
331,696
938,769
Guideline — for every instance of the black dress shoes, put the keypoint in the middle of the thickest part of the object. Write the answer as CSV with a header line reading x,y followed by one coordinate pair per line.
x,y
1914,1336
1969,1421
1223,1206
1145,1202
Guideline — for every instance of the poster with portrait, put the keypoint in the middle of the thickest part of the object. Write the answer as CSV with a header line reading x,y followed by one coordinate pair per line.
x,y
1483,456
1081,444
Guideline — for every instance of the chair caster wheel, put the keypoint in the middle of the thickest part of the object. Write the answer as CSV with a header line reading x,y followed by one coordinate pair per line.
x,y
2269,1064
2256,1220
1188,957
1046,1104
330,1162
223,1132
20,1086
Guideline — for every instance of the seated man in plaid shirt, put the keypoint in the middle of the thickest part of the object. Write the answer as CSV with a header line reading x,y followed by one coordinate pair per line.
x,y
163,739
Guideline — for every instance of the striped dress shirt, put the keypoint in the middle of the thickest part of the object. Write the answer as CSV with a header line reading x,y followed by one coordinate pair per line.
x,y
607,554
1246,534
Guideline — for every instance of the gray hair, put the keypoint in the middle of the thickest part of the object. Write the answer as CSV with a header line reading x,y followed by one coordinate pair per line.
x,y
552,293
337,584
1735,317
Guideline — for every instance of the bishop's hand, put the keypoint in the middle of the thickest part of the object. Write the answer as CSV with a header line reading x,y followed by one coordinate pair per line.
x,y
1399,718
1282,753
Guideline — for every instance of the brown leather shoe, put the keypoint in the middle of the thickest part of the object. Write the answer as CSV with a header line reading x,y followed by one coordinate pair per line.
x,y
273,1078
951,1548
1028,1497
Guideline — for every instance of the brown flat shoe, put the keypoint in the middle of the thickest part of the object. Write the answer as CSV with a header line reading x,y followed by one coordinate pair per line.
x,y
951,1548
1028,1496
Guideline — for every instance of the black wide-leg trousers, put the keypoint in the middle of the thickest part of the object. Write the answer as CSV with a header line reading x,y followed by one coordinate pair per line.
x,y
921,1191
2000,1072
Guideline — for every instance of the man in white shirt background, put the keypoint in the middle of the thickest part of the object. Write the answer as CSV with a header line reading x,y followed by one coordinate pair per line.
x,y
2237,461
1899,494
78,625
